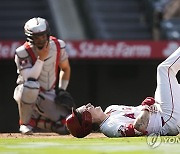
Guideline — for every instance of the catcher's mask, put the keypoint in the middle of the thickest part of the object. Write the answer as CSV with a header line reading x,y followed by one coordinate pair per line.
x,y
79,124
36,27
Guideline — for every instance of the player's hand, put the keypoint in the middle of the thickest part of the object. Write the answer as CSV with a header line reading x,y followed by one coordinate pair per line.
x,y
148,101
44,52
152,108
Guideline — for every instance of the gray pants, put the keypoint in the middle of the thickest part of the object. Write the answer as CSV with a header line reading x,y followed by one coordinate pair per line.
x,y
32,103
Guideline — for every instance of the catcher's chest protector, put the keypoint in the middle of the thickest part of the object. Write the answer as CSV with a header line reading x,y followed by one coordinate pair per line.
x,y
48,76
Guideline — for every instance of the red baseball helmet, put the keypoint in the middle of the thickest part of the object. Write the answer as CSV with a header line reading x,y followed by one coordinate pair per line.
x,y
79,124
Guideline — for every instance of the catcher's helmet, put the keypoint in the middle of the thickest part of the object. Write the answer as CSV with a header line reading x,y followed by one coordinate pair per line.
x,y
36,26
79,124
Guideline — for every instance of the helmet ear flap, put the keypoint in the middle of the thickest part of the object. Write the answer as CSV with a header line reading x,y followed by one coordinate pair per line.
x,y
86,121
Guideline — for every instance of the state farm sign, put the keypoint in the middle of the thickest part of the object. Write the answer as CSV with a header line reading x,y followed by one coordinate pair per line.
x,y
105,49
121,49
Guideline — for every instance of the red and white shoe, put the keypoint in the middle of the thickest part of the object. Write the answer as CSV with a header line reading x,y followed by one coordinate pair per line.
x,y
26,129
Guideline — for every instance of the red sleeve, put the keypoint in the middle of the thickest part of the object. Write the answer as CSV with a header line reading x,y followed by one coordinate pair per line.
x,y
127,131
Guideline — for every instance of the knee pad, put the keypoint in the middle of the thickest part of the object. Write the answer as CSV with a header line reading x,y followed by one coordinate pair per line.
x,y
30,91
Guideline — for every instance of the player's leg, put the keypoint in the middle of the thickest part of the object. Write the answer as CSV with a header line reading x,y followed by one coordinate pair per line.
x,y
26,96
168,89
43,124
56,114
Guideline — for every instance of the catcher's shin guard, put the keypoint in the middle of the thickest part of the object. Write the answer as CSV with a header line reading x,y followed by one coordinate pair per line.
x,y
60,127
50,126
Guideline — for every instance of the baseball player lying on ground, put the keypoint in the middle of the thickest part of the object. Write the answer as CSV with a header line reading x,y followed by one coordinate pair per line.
x,y
117,120
160,114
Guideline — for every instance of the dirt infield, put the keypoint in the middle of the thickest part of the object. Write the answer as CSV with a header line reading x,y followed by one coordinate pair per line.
x,y
46,135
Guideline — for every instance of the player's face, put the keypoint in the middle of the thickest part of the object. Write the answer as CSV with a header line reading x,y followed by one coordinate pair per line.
x,y
40,40
96,112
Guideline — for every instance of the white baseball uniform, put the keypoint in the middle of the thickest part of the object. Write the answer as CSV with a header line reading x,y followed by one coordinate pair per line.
x,y
25,58
121,118
168,92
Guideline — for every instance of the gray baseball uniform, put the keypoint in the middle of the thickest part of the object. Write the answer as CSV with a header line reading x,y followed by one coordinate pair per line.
x,y
37,97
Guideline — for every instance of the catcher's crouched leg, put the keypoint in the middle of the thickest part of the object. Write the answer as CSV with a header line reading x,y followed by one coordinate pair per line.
x,y
65,102
60,127
26,96
30,91
50,126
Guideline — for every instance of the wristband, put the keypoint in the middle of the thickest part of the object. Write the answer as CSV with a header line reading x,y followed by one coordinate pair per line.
x,y
63,84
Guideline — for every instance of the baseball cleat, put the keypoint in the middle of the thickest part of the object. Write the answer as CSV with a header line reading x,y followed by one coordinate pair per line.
x,y
26,129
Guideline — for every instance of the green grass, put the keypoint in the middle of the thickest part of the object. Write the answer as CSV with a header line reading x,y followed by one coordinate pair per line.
x,y
133,145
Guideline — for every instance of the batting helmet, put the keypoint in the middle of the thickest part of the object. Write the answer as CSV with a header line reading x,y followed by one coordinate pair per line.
x,y
36,26
79,124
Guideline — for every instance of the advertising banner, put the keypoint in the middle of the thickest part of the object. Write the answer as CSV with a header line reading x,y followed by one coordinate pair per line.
x,y
105,49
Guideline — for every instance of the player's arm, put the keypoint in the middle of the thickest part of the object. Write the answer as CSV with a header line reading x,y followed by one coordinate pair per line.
x,y
26,69
65,72
142,121
33,72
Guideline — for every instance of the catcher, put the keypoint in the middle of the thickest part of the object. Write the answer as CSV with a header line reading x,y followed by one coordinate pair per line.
x,y
160,114
38,62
